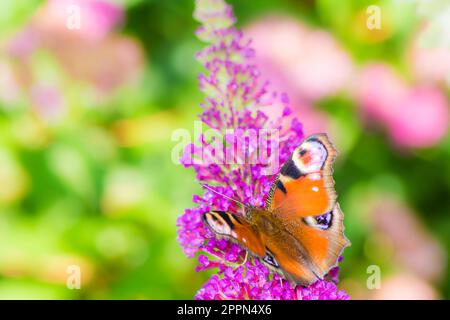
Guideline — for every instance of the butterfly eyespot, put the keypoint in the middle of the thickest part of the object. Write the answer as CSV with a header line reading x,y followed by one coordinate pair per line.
x,y
269,259
322,222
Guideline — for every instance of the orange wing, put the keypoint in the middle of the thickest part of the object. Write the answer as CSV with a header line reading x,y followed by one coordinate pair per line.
x,y
305,186
323,239
306,251
281,252
235,228
303,199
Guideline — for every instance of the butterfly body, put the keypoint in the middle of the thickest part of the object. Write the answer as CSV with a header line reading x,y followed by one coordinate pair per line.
x,y
299,233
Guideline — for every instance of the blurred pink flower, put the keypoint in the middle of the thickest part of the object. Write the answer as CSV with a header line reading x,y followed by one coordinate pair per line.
x,y
430,64
97,17
405,287
415,249
108,64
9,84
424,119
55,19
92,53
23,44
47,101
414,117
306,62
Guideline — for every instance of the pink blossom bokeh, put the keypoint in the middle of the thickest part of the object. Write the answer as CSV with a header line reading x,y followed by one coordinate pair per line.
x,y
429,63
414,116
305,62
93,53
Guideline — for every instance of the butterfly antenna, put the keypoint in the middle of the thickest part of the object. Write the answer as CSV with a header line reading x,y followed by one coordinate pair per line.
x,y
245,259
221,194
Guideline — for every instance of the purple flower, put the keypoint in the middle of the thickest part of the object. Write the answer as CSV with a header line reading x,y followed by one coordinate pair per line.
x,y
236,99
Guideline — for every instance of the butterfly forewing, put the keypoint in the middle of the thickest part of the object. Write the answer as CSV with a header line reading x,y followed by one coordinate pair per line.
x,y
305,185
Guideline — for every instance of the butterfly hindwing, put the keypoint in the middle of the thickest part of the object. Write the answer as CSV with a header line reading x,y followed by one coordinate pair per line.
x,y
280,253
285,255
236,228
322,237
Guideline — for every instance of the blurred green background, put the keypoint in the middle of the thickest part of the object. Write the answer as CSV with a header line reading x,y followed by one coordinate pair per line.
x,y
87,114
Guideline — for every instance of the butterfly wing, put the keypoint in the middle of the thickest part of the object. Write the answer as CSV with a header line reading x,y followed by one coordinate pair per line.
x,y
260,240
230,226
322,238
304,200
305,185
